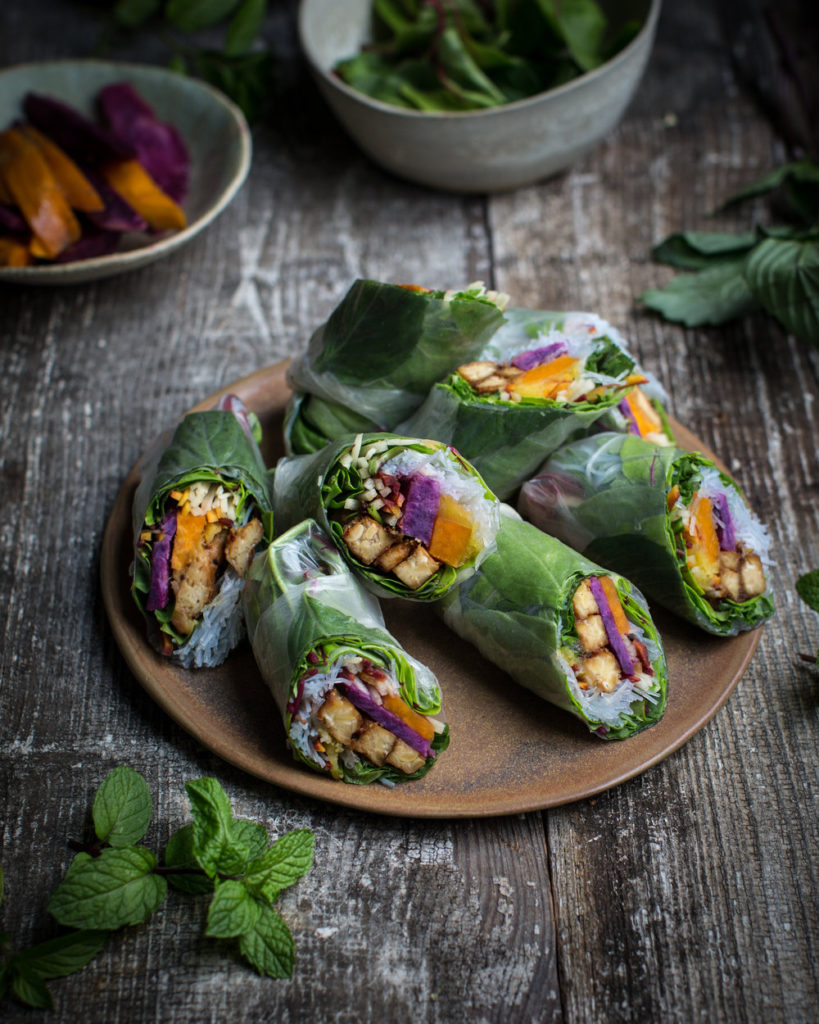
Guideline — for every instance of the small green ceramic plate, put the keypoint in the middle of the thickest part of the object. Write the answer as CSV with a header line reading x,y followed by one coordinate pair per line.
x,y
214,130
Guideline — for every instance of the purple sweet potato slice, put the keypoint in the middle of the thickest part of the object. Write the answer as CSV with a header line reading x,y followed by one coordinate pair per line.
x,y
12,221
421,508
535,356
724,523
379,714
94,242
615,638
117,215
160,591
85,142
158,145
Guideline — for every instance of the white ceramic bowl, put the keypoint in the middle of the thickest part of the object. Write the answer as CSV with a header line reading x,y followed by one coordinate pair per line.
x,y
481,150
214,130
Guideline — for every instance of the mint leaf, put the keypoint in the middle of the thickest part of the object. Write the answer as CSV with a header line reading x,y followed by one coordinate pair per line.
x,y
215,846
284,863
697,250
64,955
710,296
269,946
252,835
122,808
232,911
784,276
29,987
807,587
192,15
245,27
179,854
109,891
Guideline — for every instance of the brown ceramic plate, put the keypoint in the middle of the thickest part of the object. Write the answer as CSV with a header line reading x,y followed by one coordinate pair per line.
x,y
510,752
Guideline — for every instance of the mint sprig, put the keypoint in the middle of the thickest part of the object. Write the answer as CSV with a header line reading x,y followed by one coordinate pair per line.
x,y
807,587
113,882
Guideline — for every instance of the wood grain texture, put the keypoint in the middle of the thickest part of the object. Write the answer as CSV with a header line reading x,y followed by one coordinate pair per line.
x,y
686,894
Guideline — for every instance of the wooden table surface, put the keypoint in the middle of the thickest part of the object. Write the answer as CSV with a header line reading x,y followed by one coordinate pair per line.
x,y
685,894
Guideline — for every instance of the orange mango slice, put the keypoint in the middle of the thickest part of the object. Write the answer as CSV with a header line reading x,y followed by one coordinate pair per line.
x,y
644,413
401,710
703,555
451,532
130,179
548,379
613,599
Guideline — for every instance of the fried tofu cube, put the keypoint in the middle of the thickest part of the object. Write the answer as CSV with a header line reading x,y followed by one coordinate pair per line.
x,y
591,632
242,544
373,742
392,556
341,718
729,560
730,584
417,569
583,602
601,670
404,758
472,373
753,577
366,539
490,384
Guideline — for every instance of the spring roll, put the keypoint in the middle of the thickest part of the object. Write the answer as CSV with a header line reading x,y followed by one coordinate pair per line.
x,y
674,523
411,517
202,507
354,704
543,379
376,357
564,628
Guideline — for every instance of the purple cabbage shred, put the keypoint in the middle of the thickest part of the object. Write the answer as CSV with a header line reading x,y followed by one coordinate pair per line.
x,y
724,522
160,591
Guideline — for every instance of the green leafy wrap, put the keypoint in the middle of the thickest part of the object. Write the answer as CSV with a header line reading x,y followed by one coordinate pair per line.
x,y
321,645
373,361
202,505
522,611
669,519
410,516
506,425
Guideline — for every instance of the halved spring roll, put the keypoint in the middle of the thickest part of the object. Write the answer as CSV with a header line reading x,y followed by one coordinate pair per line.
x,y
669,519
411,517
354,704
564,628
201,509
378,354
543,378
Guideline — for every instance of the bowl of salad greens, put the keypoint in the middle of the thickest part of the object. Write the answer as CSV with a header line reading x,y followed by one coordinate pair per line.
x,y
477,95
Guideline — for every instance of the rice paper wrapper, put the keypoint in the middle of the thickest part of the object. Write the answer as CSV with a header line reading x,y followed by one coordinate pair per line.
x,y
517,610
607,496
378,354
507,440
300,595
214,446
315,485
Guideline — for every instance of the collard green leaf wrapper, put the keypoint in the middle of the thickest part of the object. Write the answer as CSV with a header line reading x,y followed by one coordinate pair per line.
x,y
607,496
505,440
315,485
517,611
299,596
377,355
214,446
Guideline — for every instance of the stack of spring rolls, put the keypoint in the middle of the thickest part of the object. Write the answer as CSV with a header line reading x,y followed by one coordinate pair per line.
x,y
415,415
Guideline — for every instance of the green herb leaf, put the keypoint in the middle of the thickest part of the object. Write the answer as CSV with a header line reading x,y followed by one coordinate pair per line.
x,y
192,15
581,24
109,891
179,854
245,27
64,955
232,911
133,13
697,250
710,296
807,587
216,847
122,808
252,835
784,276
29,987
290,857
246,79
269,945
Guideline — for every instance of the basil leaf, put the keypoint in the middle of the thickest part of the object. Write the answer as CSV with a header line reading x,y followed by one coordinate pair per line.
x,y
64,955
807,587
109,891
269,945
215,846
122,808
711,296
784,276
232,911
284,863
